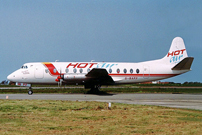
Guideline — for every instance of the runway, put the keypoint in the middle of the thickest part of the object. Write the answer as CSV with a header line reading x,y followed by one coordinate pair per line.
x,y
188,101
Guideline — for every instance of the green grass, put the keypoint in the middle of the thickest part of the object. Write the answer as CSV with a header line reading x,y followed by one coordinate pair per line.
x,y
68,117
107,90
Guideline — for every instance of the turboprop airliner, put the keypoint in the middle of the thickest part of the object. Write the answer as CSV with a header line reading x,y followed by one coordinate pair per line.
x,y
94,74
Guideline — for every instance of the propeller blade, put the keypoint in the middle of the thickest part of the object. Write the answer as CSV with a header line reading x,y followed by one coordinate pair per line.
x,y
59,79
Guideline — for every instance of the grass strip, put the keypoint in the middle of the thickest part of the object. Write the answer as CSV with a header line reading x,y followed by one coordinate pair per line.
x,y
107,90
68,117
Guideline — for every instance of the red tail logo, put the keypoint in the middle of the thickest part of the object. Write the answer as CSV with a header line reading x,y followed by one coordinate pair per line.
x,y
174,53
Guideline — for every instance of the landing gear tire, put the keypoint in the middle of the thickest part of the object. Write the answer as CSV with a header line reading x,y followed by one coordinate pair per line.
x,y
30,92
95,89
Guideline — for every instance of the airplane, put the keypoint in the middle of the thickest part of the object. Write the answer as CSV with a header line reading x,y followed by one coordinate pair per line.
x,y
95,74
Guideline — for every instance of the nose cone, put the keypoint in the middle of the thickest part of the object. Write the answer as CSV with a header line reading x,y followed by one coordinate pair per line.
x,y
11,77
15,76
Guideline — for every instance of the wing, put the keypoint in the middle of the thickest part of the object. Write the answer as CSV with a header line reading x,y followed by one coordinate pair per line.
x,y
99,76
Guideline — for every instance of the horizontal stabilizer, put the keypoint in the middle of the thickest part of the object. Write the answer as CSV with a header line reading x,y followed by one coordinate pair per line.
x,y
185,64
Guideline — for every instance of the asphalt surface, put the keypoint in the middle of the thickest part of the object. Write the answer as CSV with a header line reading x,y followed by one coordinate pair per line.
x,y
188,101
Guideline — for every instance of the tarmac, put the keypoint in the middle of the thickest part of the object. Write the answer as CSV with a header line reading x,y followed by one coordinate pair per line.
x,y
187,101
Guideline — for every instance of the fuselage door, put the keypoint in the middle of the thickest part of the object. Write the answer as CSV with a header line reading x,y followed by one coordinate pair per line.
x,y
146,72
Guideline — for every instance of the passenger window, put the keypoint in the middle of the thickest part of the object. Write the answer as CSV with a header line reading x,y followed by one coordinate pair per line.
x,y
81,70
118,70
110,70
125,71
131,70
75,70
46,70
88,70
137,71
66,70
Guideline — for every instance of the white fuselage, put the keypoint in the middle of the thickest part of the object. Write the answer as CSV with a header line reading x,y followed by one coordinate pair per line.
x,y
74,72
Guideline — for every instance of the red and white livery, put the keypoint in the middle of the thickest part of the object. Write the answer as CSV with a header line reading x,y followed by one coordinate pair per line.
x,y
94,74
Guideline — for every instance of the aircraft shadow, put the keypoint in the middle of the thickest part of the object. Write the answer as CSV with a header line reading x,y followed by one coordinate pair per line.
x,y
99,93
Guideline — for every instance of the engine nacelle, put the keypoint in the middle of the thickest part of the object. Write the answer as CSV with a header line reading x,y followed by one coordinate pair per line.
x,y
73,77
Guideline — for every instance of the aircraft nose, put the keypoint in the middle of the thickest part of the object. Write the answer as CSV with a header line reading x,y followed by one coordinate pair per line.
x,y
10,77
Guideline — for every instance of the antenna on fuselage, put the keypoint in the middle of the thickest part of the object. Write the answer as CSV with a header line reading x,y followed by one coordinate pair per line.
x,y
56,60
92,60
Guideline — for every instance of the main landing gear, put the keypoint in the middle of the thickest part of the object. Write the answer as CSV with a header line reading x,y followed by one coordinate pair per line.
x,y
95,89
30,92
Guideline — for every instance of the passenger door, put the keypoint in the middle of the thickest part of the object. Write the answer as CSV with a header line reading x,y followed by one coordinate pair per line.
x,y
146,74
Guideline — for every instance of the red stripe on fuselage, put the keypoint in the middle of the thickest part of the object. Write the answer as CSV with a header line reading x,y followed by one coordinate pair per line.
x,y
51,68
141,75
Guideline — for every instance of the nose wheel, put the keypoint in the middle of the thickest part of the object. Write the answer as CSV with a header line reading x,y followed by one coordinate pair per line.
x,y
30,92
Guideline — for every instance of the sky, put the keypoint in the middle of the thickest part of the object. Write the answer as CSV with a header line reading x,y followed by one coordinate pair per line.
x,y
100,30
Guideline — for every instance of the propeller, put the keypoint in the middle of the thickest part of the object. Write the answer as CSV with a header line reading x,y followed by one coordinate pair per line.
x,y
59,79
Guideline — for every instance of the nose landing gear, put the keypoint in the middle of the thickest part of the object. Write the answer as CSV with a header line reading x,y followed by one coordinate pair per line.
x,y
30,92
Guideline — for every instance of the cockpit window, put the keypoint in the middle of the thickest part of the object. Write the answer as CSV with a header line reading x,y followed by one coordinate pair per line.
x,y
24,67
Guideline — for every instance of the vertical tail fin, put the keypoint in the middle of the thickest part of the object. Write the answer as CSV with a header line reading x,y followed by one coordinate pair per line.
x,y
176,53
